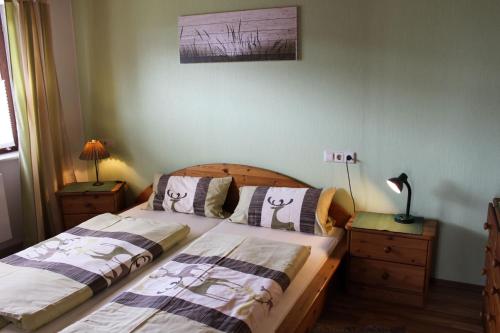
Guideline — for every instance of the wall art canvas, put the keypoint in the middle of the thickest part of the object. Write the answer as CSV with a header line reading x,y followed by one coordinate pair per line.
x,y
249,35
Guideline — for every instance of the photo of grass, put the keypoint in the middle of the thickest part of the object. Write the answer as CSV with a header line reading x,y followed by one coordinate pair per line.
x,y
250,35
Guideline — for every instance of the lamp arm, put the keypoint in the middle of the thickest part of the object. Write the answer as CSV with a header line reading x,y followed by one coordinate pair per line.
x,y
408,203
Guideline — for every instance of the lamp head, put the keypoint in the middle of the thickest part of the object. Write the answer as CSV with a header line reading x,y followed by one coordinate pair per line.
x,y
396,183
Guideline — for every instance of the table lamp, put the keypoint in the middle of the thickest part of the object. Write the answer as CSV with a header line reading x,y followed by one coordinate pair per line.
x,y
396,184
94,150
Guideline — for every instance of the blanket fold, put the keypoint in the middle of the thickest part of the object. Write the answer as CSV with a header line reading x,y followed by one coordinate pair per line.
x,y
220,283
43,281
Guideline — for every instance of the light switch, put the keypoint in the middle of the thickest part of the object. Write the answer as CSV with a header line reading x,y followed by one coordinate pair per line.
x,y
327,156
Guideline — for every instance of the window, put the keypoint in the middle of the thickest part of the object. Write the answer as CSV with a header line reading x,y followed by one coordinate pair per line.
x,y
8,133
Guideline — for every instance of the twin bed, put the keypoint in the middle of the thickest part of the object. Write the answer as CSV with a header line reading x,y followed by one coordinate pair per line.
x,y
302,302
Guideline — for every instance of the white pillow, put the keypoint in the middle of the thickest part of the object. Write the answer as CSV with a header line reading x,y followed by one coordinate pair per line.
x,y
203,196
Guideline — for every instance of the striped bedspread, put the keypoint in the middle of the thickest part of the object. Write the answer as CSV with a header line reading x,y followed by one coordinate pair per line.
x,y
220,283
42,282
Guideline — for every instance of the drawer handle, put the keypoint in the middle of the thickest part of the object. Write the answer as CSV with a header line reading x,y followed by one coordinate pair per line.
x,y
387,249
385,276
495,291
484,271
486,226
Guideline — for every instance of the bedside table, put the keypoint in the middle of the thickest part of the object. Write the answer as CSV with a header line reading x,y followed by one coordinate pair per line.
x,y
387,265
81,201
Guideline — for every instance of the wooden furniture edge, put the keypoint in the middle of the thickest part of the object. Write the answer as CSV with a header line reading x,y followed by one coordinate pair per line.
x,y
429,231
490,310
302,316
144,195
431,251
495,205
120,185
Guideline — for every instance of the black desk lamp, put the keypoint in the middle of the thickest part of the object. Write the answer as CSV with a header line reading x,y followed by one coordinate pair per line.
x,y
396,184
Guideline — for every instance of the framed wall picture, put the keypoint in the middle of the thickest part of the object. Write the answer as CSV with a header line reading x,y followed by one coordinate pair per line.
x,y
248,35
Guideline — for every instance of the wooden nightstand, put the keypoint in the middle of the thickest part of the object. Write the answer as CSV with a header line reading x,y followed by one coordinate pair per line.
x,y
391,266
81,201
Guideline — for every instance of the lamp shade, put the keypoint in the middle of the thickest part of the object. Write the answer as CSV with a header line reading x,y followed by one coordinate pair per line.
x,y
396,183
94,150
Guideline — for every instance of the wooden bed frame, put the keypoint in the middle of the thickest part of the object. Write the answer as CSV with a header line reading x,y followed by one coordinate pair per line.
x,y
307,309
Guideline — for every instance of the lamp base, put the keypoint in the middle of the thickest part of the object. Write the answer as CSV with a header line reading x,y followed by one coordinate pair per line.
x,y
98,184
404,219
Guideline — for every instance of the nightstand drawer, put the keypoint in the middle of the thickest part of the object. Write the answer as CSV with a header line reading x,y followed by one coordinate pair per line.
x,y
389,248
88,204
386,274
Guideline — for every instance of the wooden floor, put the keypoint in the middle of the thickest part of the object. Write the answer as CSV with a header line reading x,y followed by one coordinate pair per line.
x,y
451,307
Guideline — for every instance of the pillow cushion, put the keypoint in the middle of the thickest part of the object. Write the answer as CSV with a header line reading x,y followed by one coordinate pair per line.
x,y
293,209
203,196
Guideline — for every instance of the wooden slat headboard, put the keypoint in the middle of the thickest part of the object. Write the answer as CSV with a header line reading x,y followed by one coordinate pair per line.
x,y
245,175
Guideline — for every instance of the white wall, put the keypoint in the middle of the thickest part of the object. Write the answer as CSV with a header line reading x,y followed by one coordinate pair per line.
x,y
409,85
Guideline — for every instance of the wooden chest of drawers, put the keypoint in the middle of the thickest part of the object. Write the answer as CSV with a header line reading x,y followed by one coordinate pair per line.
x,y
391,266
79,206
491,293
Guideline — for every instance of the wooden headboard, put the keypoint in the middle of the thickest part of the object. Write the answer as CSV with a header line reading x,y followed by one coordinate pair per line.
x,y
245,175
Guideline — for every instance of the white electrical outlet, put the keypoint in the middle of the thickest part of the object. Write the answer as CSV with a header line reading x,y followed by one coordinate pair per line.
x,y
353,157
339,157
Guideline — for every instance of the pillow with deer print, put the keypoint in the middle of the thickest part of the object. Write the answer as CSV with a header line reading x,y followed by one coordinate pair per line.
x,y
203,196
293,209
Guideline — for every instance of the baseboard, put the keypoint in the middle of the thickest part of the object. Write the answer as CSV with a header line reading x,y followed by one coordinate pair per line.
x,y
456,285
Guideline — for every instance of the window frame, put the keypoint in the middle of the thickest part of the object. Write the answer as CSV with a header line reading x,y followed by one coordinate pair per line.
x,y
5,75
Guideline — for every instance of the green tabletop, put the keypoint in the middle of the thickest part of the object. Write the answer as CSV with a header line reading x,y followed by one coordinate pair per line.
x,y
88,187
385,222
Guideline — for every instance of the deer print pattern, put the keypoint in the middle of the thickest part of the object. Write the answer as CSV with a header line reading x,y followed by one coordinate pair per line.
x,y
47,249
277,205
115,261
199,282
122,268
174,198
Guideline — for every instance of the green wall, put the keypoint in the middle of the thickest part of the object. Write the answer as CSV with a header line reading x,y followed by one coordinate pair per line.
x,y
410,86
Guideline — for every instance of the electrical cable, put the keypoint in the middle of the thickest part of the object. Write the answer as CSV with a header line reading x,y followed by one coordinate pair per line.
x,y
349,179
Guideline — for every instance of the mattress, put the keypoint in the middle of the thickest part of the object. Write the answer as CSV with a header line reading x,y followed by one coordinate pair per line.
x,y
321,248
198,225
